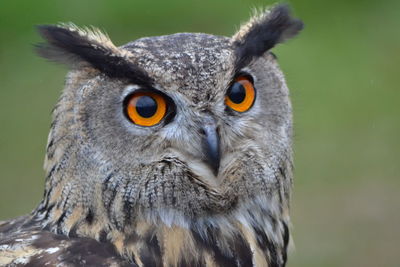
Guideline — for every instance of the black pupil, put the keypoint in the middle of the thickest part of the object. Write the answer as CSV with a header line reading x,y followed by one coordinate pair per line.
x,y
146,106
237,93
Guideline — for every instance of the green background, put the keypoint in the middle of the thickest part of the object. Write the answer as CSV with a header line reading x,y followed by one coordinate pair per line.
x,y
343,71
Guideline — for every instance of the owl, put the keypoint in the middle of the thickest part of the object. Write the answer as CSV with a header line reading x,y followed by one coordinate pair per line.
x,y
167,151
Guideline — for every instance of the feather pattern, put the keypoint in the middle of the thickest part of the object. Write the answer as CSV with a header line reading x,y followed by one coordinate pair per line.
x,y
243,241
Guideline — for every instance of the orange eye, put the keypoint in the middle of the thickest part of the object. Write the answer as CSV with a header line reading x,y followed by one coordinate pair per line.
x,y
146,108
241,94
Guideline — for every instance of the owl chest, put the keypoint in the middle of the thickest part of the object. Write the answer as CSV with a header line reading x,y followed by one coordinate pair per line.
x,y
207,246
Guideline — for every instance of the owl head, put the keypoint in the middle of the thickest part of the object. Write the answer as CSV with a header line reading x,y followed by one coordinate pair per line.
x,y
170,129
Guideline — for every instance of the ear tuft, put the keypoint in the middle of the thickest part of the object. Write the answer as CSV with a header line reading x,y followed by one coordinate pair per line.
x,y
263,32
66,43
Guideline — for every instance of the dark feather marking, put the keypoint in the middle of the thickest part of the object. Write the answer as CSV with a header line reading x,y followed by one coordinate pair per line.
x,y
47,227
109,176
148,196
285,241
109,193
89,217
47,192
127,211
280,191
275,27
191,263
173,197
48,211
162,169
166,164
68,46
151,254
51,148
73,231
272,220
210,243
282,172
265,244
60,221
103,236
49,145
45,202
52,170
128,206
164,195
242,251
65,201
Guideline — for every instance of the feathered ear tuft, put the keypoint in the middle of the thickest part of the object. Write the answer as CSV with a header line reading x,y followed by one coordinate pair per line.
x,y
66,43
263,32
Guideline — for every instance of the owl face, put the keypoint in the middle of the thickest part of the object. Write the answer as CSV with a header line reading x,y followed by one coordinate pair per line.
x,y
197,126
191,124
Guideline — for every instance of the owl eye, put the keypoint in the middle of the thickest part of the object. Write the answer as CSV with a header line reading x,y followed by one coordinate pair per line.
x,y
241,95
146,108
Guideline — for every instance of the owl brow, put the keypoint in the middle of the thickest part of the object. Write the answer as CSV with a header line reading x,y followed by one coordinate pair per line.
x,y
264,33
73,45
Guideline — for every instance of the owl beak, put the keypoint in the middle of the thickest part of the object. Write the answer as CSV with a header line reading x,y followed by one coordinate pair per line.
x,y
211,145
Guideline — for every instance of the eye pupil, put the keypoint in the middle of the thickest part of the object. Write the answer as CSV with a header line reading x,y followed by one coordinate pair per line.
x,y
146,106
237,93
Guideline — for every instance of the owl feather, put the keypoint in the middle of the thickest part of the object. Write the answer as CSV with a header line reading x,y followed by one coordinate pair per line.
x,y
264,30
69,44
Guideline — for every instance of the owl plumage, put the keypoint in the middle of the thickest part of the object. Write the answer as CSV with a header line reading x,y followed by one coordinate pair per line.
x,y
206,184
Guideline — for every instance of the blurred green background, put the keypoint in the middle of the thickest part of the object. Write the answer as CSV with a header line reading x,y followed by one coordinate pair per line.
x,y
343,71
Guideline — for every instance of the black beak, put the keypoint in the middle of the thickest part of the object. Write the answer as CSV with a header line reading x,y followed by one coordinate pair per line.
x,y
211,145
